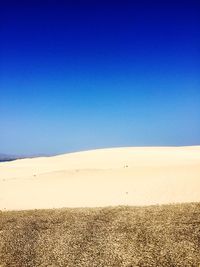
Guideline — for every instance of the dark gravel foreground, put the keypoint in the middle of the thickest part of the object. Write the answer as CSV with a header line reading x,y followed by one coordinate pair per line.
x,y
167,235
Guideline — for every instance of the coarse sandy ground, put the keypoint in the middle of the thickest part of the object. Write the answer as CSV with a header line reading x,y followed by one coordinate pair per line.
x,y
103,177
150,236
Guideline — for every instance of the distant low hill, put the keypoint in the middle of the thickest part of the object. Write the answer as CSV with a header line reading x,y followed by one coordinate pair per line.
x,y
5,157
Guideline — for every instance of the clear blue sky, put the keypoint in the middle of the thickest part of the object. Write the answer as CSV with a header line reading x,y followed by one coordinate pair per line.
x,y
77,75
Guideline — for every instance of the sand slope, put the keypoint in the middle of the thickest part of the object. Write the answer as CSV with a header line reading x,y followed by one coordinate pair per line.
x,y
117,176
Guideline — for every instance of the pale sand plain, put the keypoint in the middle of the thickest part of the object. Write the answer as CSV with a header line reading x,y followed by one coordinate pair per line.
x,y
103,177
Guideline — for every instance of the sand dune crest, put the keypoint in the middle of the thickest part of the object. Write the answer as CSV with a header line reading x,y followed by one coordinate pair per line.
x,y
103,177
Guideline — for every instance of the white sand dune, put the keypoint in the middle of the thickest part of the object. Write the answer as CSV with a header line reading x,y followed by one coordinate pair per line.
x,y
103,177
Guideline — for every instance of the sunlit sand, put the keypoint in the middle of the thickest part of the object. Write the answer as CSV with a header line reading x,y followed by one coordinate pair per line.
x,y
103,177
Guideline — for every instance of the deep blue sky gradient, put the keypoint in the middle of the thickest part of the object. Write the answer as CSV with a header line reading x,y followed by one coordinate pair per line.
x,y
77,75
